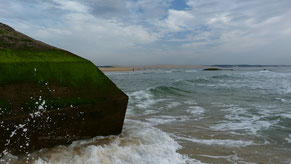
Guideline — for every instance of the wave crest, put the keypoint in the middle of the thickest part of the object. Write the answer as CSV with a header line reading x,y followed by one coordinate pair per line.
x,y
139,143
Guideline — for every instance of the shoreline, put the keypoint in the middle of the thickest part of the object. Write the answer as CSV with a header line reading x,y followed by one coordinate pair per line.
x,y
115,69
139,68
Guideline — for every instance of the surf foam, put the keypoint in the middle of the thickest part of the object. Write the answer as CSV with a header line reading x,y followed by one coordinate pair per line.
x,y
139,143
218,142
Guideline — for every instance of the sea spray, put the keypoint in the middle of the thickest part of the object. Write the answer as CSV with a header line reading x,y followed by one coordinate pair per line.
x,y
139,143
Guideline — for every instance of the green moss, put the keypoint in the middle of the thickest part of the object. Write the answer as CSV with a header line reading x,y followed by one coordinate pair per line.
x,y
72,74
30,55
2,32
5,106
53,66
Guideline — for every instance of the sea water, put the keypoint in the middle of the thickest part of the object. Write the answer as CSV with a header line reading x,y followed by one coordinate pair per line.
x,y
178,116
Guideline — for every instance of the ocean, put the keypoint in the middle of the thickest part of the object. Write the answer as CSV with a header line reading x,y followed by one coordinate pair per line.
x,y
178,116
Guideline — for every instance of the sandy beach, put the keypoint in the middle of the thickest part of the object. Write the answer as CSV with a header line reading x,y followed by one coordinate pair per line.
x,y
113,69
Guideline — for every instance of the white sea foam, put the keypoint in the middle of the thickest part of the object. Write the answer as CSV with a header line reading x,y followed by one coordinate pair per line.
x,y
173,104
240,119
224,105
147,112
218,142
143,99
285,115
190,102
250,127
162,71
268,81
271,111
191,70
265,71
139,143
231,158
157,120
288,139
195,110
260,81
284,86
283,100
129,111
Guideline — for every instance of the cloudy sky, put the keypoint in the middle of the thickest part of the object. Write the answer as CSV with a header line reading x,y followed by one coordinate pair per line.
x,y
134,32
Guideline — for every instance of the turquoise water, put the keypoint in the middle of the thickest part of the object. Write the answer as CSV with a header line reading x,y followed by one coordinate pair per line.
x,y
178,116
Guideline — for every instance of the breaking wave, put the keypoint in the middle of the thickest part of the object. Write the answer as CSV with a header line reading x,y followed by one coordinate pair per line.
x,y
139,143
169,90
191,71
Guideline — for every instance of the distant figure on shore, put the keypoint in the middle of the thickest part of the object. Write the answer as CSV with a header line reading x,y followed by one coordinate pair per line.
x,y
132,69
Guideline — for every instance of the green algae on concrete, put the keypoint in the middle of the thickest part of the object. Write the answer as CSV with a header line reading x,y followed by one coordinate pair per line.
x,y
54,93
24,60
74,74
79,78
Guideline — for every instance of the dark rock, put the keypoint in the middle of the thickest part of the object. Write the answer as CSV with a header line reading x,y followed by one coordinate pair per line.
x,y
50,96
212,69
216,69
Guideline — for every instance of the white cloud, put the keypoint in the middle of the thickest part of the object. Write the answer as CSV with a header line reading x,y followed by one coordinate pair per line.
x,y
81,32
137,31
89,36
178,20
68,5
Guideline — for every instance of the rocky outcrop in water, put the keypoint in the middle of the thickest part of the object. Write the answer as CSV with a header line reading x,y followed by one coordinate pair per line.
x,y
216,69
50,96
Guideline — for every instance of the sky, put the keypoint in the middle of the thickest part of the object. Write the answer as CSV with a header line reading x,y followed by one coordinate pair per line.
x,y
149,32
